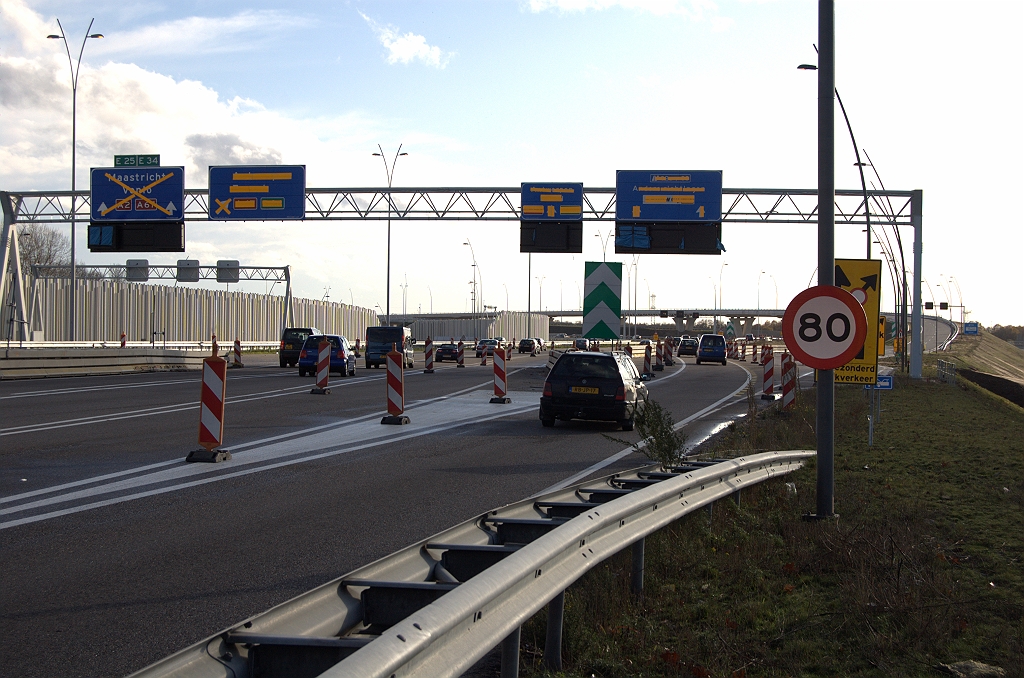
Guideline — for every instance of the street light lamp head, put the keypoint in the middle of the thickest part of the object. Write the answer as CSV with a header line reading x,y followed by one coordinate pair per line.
x,y
400,154
54,37
96,35
807,67
377,154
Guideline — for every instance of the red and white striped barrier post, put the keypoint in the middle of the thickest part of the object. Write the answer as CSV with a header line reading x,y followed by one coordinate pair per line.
x,y
323,368
500,378
483,355
214,339
768,385
788,380
237,355
428,357
659,361
211,411
743,351
647,360
462,355
629,351
357,348
668,353
508,349
396,389
124,340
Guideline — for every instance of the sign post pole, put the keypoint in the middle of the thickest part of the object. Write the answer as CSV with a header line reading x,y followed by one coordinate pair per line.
x,y
825,485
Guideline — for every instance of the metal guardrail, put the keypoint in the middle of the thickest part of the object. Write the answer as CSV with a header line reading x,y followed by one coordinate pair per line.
x,y
436,607
946,371
952,336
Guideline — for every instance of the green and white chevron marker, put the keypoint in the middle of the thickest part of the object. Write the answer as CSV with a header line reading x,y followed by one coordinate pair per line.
x,y
602,300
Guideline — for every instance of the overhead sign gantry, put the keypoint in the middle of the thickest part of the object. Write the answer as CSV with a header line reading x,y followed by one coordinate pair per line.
x,y
137,209
551,218
668,212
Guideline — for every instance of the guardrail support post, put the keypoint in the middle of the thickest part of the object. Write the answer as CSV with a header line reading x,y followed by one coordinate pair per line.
x,y
636,579
510,654
553,642
737,498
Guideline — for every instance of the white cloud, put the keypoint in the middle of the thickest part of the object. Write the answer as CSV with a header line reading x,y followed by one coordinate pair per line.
x,y
696,10
408,47
201,35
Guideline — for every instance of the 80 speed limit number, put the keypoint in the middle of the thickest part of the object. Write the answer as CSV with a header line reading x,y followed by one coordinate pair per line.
x,y
824,327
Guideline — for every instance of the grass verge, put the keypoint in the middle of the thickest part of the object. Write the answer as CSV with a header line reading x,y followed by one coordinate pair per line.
x,y
924,566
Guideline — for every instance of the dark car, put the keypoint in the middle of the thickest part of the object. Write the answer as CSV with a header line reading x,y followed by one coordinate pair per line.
x,y
687,347
527,345
292,340
581,344
711,347
343,358
486,344
591,385
446,352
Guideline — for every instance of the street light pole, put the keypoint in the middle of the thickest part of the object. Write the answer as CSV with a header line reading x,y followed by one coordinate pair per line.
x,y
75,68
604,243
390,171
856,153
721,287
479,301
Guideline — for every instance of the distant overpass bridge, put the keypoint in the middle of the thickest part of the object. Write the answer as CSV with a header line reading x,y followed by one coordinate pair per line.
x,y
685,319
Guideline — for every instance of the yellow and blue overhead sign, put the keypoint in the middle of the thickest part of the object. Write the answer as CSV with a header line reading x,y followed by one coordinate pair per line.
x,y
551,202
257,192
668,196
120,194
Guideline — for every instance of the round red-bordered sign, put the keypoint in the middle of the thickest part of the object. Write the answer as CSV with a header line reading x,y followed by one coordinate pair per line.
x,y
824,327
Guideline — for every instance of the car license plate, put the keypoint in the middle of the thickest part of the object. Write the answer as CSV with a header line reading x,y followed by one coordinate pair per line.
x,y
287,346
591,390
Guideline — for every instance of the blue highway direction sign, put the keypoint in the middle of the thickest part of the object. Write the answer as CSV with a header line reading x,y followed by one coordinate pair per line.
x,y
551,202
257,192
670,196
971,328
120,194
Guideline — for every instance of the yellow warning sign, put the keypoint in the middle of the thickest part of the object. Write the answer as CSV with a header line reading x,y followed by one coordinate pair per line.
x,y
862,278
881,335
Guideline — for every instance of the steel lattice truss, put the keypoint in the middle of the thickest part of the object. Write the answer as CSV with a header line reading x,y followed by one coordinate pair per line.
x,y
264,273
739,205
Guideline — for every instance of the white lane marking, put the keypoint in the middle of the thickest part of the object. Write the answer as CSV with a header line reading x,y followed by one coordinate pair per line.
x,y
235,448
163,409
710,409
443,415
116,387
87,481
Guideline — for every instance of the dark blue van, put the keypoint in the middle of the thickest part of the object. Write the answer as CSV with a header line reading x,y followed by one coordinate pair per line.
x,y
711,347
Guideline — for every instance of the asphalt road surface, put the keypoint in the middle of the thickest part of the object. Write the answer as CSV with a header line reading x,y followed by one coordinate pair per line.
x,y
114,552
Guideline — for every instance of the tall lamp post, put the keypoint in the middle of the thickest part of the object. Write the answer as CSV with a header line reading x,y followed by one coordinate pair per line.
x,y
479,300
856,152
390,171
959,296
75,67
721,289
714,302
604,242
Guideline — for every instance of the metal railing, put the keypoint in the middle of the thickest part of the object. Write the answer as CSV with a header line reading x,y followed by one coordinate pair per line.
x,y
447,601
946,371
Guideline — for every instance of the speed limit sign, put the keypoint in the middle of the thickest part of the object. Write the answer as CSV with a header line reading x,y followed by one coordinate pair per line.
x,y
824,327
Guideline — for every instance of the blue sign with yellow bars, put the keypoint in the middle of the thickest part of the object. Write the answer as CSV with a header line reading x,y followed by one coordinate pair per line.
x,y
551,202
668,196
120,194
257,192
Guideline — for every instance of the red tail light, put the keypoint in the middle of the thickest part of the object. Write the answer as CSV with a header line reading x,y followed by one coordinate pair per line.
x,y
303,354
547,389
282,343
621,393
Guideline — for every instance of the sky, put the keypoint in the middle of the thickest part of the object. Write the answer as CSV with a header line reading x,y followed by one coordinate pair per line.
x,y
504,91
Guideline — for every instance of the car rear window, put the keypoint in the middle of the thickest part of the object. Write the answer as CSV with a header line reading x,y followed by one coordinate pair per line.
x,y
295,335
314,342
713,340
594,366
